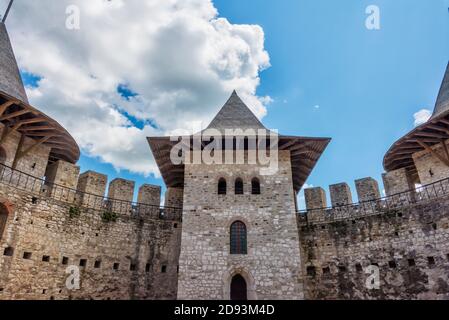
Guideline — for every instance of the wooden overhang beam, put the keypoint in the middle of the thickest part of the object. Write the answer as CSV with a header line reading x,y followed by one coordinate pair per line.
x,y
444,160
431,134
39,128
15,114
21,153
6,105
445,121
7,132
437,127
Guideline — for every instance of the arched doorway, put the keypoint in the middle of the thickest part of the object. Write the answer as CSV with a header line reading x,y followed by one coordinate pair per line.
x,y
238,288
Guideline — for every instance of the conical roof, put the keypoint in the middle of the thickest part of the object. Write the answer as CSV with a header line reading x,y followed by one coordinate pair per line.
x,y
10,80
442,103
304,151
434,131
235,115
17,114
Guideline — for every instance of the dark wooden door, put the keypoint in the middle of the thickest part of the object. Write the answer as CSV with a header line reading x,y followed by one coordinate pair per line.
x,y
238,288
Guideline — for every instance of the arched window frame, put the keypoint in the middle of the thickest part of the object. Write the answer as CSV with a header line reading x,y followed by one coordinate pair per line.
x,y
255,186
238,238
238,186
222,186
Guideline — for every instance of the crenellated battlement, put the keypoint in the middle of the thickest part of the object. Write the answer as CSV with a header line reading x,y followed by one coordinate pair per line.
x,y
341,195
87,190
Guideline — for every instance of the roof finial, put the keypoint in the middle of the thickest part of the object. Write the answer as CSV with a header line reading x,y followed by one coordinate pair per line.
x,y
7,11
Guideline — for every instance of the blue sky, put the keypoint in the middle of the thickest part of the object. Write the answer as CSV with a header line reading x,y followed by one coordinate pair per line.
x,y
332,77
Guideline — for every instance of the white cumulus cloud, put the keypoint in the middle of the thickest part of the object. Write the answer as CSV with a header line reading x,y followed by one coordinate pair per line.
x,y
422,116
179,57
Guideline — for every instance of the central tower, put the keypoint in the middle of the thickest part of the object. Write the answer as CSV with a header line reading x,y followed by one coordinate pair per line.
x,y
239,231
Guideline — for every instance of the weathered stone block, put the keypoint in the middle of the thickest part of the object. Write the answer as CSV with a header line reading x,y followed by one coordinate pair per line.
x,y
340,194
396,181
62,179
367,189
315,198
174,197
149,194
120,195
92,187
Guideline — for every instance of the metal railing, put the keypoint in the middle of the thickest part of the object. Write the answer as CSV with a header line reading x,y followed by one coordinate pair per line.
x,y
378,206
39,187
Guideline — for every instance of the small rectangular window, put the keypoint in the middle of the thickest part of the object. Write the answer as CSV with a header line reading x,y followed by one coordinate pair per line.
x,y
46,258
132,267
311,271
8,252
83,262
27,255
392,264
431,261
65,261
147,267
116,266
97,264
411,262
164,269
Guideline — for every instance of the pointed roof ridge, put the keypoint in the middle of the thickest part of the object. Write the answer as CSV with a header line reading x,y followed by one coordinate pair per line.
x,y
235,114
442,103
10,80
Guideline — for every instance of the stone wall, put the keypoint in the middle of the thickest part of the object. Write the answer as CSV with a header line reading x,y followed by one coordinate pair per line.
x,y
409,245
271,267
396,181
429,167
340,194
126,259
34,163
367,189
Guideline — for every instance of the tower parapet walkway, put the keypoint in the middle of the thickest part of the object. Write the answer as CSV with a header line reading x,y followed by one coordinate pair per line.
x,y
379,206
40,188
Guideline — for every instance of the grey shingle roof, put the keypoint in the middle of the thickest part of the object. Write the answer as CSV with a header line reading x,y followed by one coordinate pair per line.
x,y
10,80
442,103
235,115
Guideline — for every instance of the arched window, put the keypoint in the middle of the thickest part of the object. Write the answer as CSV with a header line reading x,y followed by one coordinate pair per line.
x,y
238,288
222,186
255,186
238,238
3,219
238,186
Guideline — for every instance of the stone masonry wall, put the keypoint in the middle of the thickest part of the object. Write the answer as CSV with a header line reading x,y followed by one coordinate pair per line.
x,y
34,163
131,258
429,167
272,266
410,246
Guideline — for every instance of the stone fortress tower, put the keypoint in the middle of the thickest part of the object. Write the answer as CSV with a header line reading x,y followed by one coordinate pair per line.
x,y
54,219
239,234
226,230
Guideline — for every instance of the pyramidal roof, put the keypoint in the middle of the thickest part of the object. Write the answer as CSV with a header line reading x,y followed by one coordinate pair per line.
x,y
10,80
235,115
442,103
